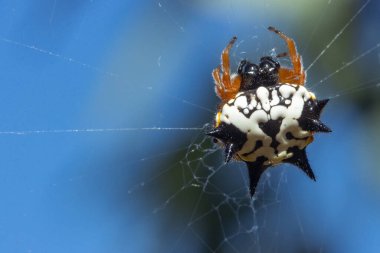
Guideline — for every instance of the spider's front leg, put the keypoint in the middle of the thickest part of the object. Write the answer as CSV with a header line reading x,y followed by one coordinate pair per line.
x,y
225,86
219,86
295,75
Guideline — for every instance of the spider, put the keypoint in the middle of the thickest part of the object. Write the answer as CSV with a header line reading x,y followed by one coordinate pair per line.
x,y
266,116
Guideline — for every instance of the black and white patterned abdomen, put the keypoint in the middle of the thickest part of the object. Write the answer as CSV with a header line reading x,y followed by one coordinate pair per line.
x,y
271,121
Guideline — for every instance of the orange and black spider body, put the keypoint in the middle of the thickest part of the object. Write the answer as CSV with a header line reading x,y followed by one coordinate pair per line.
x,y
266,116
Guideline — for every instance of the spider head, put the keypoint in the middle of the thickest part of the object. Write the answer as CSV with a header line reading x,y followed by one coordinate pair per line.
x,y
268,71
249,73
254,76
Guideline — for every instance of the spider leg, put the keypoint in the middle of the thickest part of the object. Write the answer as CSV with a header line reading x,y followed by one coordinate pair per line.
x,y
289,76
235,85
226,86
219,86
296,75
225,58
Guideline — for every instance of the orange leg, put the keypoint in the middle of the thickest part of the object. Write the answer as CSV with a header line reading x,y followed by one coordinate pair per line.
x,y
225,58
296,75
225,87
219,87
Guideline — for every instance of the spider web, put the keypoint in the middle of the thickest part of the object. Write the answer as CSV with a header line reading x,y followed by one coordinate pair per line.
x,y
143,177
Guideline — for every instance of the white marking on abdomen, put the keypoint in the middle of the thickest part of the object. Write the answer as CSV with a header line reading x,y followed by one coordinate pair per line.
x,y
275,98
241,102
287,90
263,96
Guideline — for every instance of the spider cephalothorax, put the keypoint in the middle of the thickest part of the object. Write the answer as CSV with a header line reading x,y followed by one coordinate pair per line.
x,y
254,76
267,116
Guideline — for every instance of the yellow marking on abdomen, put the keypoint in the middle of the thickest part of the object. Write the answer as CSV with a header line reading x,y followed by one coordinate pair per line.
x,y
217,121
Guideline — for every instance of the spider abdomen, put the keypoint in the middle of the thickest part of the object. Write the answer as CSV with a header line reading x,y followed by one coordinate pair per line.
x,y
274,121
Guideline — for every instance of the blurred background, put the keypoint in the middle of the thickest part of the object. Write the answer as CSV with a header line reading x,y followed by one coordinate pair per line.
x,y
121,68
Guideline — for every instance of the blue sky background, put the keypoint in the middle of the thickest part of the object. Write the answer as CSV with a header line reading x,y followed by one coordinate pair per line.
x,y
69,65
